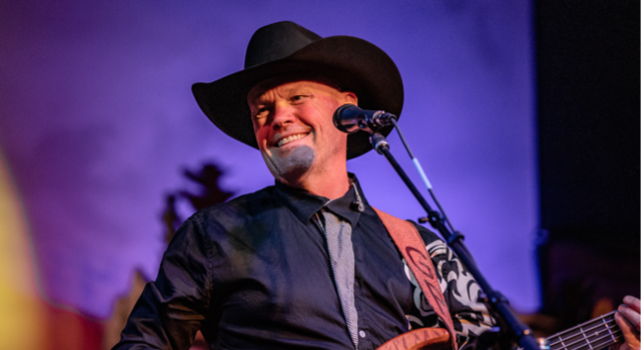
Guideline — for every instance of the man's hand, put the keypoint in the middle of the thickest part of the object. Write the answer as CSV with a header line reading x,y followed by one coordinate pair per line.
x,y
628,319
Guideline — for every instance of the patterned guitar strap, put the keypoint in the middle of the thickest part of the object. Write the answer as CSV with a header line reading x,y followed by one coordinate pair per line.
x,y
411,245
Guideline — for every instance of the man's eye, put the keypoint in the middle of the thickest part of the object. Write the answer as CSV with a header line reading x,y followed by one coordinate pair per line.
x,y
261,112
297,98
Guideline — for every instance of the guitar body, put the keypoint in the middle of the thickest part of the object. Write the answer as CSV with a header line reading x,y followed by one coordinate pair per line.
x,y
419,339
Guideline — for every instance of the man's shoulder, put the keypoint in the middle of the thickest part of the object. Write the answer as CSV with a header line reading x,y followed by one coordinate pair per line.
x,y
244,204
239,210
429,236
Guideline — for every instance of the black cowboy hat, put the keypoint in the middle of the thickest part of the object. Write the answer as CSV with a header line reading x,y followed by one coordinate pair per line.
x,y
286,48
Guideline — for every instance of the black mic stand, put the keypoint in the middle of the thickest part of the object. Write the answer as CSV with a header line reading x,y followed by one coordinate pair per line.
x,y
494,299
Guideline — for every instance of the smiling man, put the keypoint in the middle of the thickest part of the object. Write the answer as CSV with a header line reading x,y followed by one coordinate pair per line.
x,y
306,263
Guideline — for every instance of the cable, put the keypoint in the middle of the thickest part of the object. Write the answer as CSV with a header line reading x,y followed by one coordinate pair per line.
x,y
419,168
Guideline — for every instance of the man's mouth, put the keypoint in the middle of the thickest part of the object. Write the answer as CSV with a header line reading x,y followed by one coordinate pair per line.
x,y
289,139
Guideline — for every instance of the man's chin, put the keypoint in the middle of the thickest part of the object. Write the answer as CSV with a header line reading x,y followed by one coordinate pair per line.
x,y
292,167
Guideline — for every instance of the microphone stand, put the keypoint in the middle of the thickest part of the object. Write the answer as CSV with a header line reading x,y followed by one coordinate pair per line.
x,y
491,297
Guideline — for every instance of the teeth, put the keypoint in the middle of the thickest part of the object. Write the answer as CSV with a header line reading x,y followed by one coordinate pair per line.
x,y
288,139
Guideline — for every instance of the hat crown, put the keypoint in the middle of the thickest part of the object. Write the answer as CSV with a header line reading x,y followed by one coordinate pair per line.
x,y
276,41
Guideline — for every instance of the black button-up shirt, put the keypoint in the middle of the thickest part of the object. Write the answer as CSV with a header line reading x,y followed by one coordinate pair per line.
x,y
254,273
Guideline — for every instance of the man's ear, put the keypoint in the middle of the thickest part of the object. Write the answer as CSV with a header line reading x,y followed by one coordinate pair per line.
x,y
350,97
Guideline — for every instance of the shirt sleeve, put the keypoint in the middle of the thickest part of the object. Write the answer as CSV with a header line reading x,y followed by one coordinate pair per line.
x,y
173,307
470,316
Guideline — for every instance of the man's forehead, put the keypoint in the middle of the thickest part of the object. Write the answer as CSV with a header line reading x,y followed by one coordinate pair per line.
x,y
289,83
259,92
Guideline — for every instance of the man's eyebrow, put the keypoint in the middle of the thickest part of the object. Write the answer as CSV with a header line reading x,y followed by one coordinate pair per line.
x,y
259,99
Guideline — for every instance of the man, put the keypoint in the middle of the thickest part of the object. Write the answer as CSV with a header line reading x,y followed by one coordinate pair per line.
x,y
306,263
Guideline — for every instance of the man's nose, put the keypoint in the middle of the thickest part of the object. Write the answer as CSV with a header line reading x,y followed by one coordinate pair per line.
x,y
283,116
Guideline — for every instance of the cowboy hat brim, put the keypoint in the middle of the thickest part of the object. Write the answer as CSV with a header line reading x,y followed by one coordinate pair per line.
x,y
356,64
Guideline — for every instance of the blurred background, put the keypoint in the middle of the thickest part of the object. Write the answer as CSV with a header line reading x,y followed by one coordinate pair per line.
x,y
524,115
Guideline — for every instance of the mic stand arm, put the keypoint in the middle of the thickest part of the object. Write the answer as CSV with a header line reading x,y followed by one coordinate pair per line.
x,y
492,298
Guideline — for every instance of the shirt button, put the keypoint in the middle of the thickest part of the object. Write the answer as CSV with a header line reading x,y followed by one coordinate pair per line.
x,y
362,334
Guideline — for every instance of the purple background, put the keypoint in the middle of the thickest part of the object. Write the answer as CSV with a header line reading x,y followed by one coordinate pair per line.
x,y
97,121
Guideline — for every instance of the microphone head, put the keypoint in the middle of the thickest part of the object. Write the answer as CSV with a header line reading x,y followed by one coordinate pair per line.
x,y
348,117
351,118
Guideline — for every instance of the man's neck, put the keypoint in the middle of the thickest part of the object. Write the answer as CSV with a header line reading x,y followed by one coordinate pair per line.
x,y
331,184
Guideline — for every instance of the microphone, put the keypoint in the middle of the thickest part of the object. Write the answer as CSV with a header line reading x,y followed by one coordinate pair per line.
x,y
351,118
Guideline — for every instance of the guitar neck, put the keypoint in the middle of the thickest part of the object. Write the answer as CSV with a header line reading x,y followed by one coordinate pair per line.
x,y
594,334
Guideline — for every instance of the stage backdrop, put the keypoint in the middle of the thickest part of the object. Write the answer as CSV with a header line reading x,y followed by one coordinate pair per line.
x,y
97,122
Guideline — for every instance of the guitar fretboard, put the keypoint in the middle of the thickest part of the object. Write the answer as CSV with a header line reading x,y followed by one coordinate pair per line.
x,y
594,334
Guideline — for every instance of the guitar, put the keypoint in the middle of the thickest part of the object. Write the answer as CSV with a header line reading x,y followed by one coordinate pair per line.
x,y
595,334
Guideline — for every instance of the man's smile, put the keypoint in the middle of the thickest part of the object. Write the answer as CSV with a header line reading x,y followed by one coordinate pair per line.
x,y
288,139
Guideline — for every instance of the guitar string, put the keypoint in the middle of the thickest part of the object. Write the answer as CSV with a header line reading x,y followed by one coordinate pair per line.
x,y
601,320
602,345
611,340
612,331
603,327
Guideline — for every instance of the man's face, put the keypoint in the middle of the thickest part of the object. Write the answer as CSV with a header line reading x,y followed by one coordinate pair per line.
x,y
294,128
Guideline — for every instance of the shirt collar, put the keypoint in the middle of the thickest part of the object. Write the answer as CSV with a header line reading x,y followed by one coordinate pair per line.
x,y
304,205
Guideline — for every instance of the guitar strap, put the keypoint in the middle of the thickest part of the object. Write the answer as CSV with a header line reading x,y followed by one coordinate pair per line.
x,y
411,245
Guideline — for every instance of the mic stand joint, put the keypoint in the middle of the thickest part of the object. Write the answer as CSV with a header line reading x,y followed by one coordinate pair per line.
x,y
379,142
